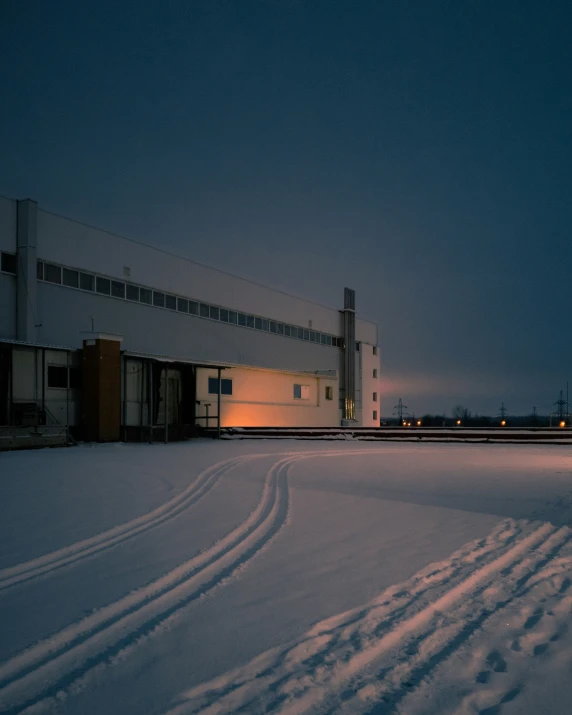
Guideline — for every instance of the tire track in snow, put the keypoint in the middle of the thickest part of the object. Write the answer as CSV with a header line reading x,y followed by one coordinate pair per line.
x,y
80,550
355,662
53,665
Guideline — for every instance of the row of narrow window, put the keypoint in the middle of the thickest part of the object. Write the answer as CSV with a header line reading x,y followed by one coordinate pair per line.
x,y
52,273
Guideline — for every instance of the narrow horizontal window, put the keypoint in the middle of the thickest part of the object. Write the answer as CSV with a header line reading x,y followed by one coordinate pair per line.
x,y
117,289
241,319
204,310
171,302
103,285
40,271
232,317
214,313
158,299
258,323
132,292
57,376
182,305
224,315
9,263
145,295
87,281
71,278
193,307
52,274
225,386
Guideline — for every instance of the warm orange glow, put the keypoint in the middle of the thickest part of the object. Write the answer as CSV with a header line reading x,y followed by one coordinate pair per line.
x,y
458,422
409,424
563,424
503,423
404,423
418,423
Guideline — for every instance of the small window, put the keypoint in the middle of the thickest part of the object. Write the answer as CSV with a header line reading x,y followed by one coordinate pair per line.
x,y
375,415
375,349
323,339
273,328
57,376
86,281
301,333
265,324
170,302
9,263
103,285
182,305
313,336
306,335
280,328
52,274
40,271
117,289
204,310
357,347
158,299
287,331
241,319
375,372
258,323
375,396
232,317
71,278
250,321
132,292
225,386
145,295
328,339
224,315
329,392
193,307
214,313
301,392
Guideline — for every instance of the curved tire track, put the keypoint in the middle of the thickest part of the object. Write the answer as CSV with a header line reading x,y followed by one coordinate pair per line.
x,y
42,671
80,550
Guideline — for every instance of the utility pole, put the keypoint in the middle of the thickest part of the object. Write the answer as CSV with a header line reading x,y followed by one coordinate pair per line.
x,y
399,407
560,405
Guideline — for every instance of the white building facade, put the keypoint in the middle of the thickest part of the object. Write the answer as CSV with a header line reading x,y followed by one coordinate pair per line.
x,y
185,340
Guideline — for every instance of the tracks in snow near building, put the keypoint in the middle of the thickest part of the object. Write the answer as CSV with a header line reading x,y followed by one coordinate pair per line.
x,y
80,550
48,669
372,659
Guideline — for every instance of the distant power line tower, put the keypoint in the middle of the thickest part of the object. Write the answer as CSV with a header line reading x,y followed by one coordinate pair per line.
x,y
502,411
398,408
561,406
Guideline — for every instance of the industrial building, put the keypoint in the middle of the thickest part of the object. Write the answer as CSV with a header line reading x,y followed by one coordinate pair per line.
x,y
116,340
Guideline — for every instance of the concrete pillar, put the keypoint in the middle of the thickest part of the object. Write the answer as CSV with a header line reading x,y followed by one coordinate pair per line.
x,y
26,304
101,387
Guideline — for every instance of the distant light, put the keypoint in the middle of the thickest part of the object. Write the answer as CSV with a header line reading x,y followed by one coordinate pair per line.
x,y
563,424
503,423
458,422
404,423
418,423
409,424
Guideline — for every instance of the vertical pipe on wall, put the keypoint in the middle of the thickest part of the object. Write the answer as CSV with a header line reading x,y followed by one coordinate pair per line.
x,y
166,404
150,403
218,407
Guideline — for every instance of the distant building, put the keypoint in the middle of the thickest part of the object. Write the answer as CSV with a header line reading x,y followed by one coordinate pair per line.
x,y
110,336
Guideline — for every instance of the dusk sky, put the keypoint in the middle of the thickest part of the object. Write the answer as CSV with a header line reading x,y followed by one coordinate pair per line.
x,y
419,152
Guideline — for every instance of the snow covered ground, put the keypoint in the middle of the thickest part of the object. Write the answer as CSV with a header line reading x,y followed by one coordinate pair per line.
x,y
291,577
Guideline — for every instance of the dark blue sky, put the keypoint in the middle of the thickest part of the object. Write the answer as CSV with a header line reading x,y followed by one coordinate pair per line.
x,y
419,152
